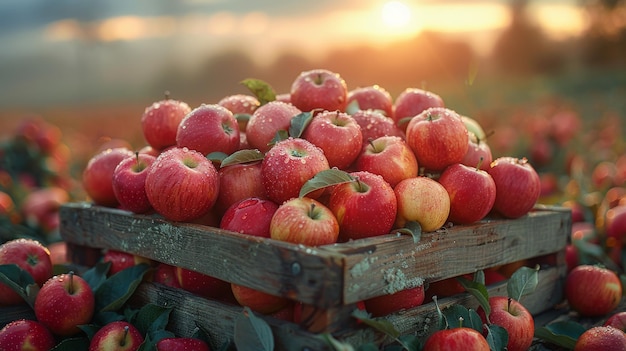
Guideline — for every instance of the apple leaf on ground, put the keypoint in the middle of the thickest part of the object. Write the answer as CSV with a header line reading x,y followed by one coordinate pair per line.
x,y
20,281
72,344
497,337
413,229
479,291
252,332
460,316
113,293
97,274
325,179
562,333
242,156
522,282
261,90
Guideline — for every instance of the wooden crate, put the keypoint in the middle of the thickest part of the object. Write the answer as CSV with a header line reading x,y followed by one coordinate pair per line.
x,y
332,278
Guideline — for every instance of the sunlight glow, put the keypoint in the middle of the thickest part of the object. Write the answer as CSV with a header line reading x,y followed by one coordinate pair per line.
x,y
395,14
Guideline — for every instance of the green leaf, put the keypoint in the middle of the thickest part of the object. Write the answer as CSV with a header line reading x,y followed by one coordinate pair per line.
x,y
411,342
370,346
252,332
381,325
151,318
325,178
299,123
353,107
442,322
72,344
497,337
113,293
106,317
522,282
242,156
404,121
96,275
413,229
479,277
563,333
261,90
216,156
90,329
460,316
20,281
479,291
336,344
279,136
242,117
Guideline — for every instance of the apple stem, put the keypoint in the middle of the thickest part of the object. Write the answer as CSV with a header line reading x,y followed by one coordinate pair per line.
x,y
71,277
508,304
480,163
123,341
312,211
167,95
461,322
137,156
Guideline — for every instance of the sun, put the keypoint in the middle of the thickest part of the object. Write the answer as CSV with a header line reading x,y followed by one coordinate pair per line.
x,y
395,14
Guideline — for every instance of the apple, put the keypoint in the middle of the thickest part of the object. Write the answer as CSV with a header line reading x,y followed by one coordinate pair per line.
x,y
159,122
438,138
472,193
474,127
201,284
166,274
24,334
266,121
129,183
257,300
250,216
288,165
121,260
7,206
617,320
319,89
454,339
422,200
478,153
372,97
209,128
182,344
601,338
40,207
374,125
182,184
383,305
603,175
338,135
64,302
237,182
31,256
58,253
364,208
118,336
242,106
98,175
517,186
412,102
514,318
592,290
615,222
390,157
305,221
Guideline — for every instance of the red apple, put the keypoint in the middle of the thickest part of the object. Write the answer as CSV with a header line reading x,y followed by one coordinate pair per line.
x,y
592,290
514,318
182,184
23,334
302,220
364,208
98,175
517,186
266,121
242,106
237,182
7,206
601,338
372,97
386,304
181,344
121,260
338,135
288,165
209,128
478,153
455,339
250,216
319,89
129,183
166,274
29,255
40,208
64,302
615,222
422,200
617,320
118,336
412,102
390,157
375,125
472,193
201,284
160,121
258,301
438,138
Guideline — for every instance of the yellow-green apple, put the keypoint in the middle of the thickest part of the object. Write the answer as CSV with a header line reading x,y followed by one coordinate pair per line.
x,y
266,121
601,338
372,97
383,305
478,153
365,207
242,106
209,128
472,193
319,89
288,165
413,101
121,260
455,339
129,183
390,157
257,300
24,334
617,320
98,175
422,200
64,302
517,186
31,256
237,182
338,135
592,290
159,122
375,125
182,344
201,284
438,138
511,315
166,274
302,220
473,126
250,216
116,336
182,184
